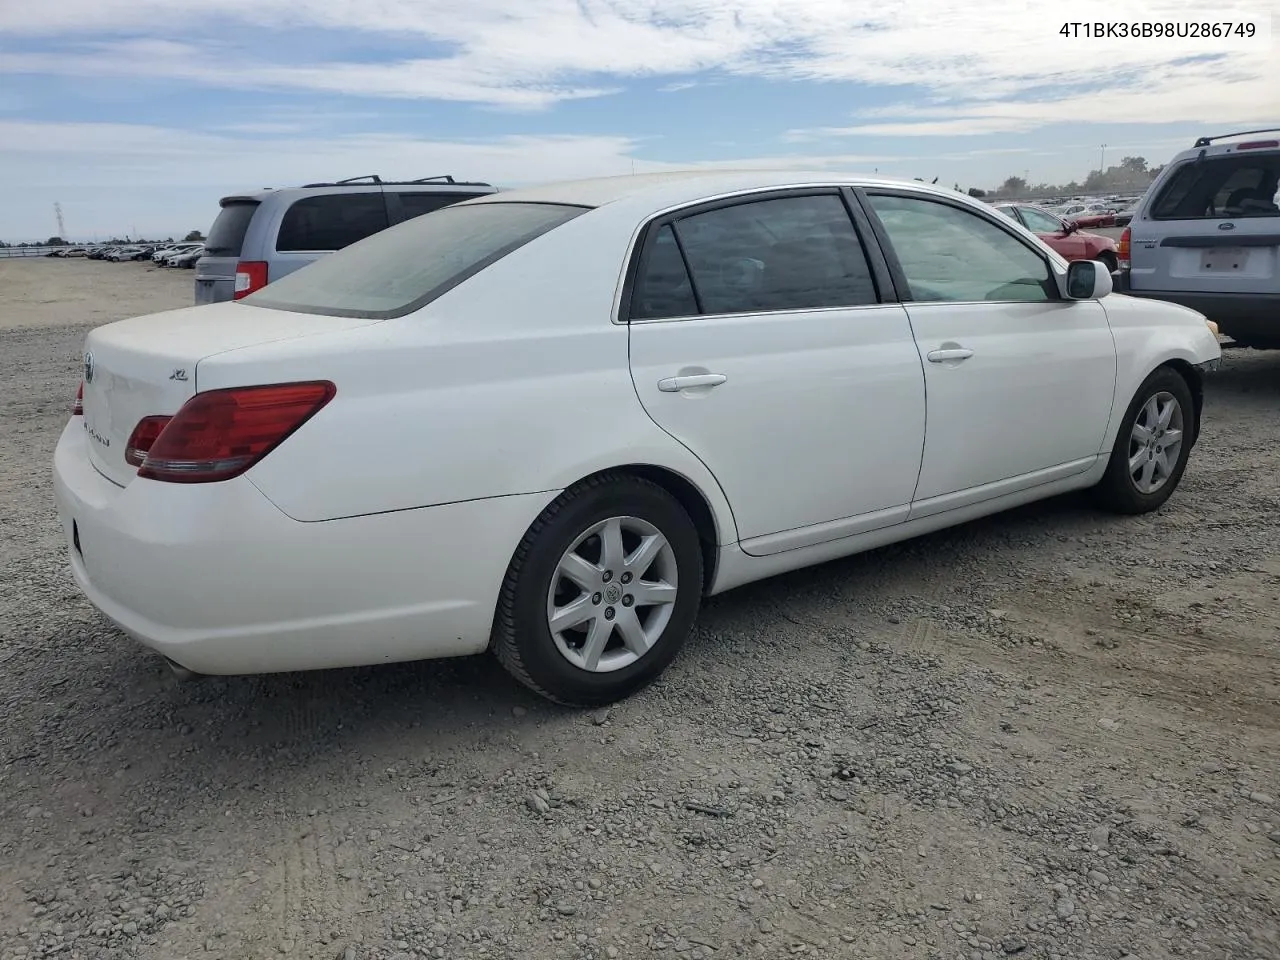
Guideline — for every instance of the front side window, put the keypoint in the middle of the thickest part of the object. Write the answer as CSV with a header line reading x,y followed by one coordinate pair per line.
x,y
1225,187
951,254
331,222
1040,222
780,254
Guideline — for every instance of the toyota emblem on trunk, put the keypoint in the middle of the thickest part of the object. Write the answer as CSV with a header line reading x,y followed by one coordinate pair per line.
x,y
88,368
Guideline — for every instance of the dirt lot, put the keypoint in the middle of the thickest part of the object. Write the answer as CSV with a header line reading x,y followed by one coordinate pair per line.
x,y
1050,734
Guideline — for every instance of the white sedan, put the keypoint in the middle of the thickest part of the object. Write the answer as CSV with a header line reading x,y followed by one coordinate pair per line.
x,y
547,423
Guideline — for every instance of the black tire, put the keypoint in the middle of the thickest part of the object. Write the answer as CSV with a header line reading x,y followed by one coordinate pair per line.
x,y
1110,260
1117,490
522,639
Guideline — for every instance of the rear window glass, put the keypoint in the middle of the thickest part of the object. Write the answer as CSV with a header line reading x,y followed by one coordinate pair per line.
x,y
331,222
1221,187
396,271
226,236
416,204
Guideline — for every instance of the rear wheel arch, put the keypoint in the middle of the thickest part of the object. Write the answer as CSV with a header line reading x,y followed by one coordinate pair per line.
x,y
692,501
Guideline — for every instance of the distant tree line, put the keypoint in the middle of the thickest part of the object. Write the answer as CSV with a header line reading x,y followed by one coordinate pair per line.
x,y
1130,175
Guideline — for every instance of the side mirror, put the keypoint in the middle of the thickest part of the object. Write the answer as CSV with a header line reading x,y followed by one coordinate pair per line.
x,y
1070,226
1088,280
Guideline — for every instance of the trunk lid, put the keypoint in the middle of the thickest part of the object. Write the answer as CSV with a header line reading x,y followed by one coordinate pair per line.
x,y
146,366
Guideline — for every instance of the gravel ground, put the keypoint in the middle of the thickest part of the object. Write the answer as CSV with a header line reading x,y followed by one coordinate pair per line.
x,y
1049,734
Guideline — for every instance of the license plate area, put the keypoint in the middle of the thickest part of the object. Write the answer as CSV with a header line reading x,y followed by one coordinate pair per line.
x,y
1224,260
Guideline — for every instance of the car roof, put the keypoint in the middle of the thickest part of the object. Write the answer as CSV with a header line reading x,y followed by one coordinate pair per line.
x,y
676,187
328,189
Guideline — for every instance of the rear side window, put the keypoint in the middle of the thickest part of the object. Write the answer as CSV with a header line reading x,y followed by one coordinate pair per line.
x,y
226,236
399,270
663,288
416,204
331,222
781,254
1220,188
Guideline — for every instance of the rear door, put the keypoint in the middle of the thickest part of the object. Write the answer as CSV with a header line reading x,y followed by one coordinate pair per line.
x,y
759,340
1212,226
216,269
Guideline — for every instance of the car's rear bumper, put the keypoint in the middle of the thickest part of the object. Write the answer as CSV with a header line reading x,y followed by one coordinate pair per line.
x,y
1245,316
219,580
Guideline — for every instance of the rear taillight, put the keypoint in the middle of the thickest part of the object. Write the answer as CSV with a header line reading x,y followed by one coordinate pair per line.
x,y
220,434
251,275
77,407
1122,249
143,438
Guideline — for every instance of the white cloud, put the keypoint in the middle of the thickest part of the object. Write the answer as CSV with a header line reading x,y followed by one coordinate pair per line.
x,y
532,53
111,177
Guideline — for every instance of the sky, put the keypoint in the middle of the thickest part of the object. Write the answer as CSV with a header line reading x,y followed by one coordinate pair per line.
x,y
137,115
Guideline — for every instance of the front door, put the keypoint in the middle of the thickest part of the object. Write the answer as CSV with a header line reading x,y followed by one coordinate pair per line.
x,y
758,340
1020,381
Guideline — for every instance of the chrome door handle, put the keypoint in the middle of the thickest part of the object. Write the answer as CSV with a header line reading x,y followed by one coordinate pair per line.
x,y
955,353
676,384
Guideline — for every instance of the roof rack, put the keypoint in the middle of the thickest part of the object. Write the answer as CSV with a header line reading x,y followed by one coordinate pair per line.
x,y
373,178
1205,141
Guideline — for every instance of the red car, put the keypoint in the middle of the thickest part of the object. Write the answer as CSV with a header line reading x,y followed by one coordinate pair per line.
x,y
1065,236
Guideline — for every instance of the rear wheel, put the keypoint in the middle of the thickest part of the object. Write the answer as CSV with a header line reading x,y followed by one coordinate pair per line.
x,y
1152,446
1110,260
601,593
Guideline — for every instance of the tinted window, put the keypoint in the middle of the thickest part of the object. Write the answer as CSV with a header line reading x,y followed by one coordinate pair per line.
x,y
662,286
1219,187
1040,222
792,253
226,236
399,270
416,204
952,254
331,222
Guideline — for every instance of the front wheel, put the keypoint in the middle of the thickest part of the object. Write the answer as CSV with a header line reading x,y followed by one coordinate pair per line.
x,y
1151,449
601,593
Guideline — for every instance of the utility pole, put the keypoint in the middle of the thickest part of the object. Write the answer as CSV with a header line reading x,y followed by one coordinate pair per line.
x,y
57,212
1102,160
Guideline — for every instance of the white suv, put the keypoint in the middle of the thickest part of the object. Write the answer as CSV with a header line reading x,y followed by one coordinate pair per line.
x,y
1207,235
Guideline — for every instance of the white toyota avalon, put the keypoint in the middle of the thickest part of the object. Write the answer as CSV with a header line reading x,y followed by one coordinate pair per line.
x,y
548,422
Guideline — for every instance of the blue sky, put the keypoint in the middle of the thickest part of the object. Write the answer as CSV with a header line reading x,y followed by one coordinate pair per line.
x,y
136,115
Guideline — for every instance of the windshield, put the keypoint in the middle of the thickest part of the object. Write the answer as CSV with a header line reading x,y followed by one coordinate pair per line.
x,y
399,270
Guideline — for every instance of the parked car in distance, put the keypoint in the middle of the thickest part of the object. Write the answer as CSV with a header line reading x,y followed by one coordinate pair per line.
x,y
581,408
173,249
260,237
1064,236
1207,234
185,258
1088,215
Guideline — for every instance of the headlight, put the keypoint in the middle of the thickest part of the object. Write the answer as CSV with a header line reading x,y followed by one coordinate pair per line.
x,y
1213,327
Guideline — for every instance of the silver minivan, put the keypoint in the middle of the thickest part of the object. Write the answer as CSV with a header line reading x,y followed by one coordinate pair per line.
x,y
1207,235
263,236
